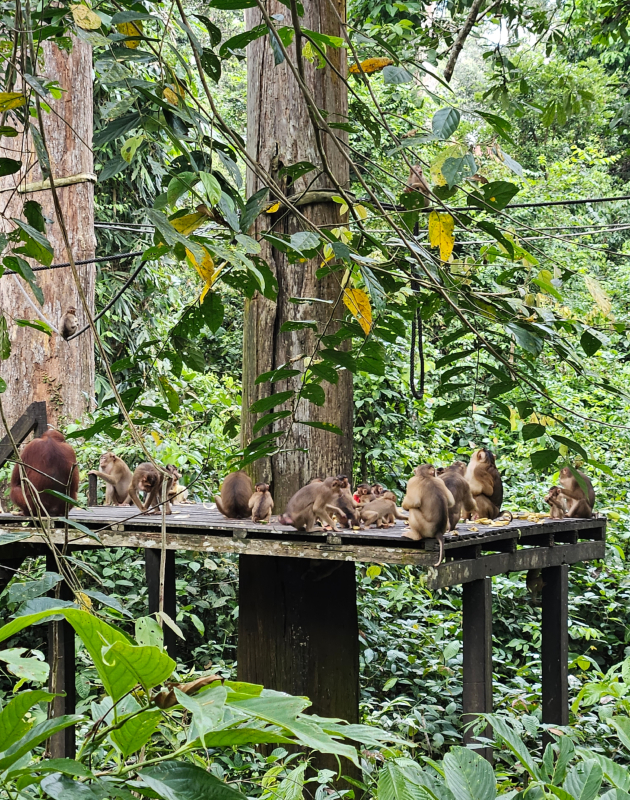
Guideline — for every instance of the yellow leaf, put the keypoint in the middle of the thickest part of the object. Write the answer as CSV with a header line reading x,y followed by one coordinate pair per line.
x,y
206,270
435,170
85,18
272,209
170,96
130,29
358,303
598,294
373,572
371,65
9,100
441,233
84,599
156,437
513,419
189,222
361,211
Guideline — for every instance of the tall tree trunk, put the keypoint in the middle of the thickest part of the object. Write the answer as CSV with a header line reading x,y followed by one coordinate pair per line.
x,y
279,133
42,367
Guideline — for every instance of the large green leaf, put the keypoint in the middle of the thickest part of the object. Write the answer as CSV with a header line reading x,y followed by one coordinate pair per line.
x,y
34,737
266,403
29,669
143,664
468,775
445,122
21,592
394,784
584,780
177,780
135,732
515,744
207,710
61,787
12,723
616,774
541,459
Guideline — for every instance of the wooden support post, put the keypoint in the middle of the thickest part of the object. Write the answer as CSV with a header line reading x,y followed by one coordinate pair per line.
x,y
152,570
92,490
61,658
555,645
477,634
298,632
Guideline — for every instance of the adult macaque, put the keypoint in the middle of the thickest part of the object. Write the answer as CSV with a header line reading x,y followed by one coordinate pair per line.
x,y
428,501
117,476
312,502
380,511
69,323
49,463
149,480
455,481
236,490
557,503
261,503
579,503
485,484
416,182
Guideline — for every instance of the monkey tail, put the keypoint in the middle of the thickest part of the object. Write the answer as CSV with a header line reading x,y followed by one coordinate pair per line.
x,y
440,538
503,513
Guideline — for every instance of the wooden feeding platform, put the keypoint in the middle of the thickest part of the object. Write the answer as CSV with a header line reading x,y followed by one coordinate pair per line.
x,y
298,624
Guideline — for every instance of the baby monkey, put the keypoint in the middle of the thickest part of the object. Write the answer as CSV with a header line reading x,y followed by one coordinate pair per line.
x,y
261,503
557,505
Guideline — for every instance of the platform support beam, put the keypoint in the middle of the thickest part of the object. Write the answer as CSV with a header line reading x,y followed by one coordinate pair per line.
x,y
152,561
555,645
61,659
477,645
298,631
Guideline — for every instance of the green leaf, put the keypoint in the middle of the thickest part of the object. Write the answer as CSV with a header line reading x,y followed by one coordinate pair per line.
x,y
132,16
322,426
500,125
36,245
299,325
36,324
314,393
172,398
213,32
61,787
526,339
533,430
276,375
590,344
111,602
541,459
207,709
496,194
23,269
148,665
267,403
514,743
213,311
179,185
9,166
304,241
456,169
615,773
112,167
211,64
135,732
241,40
269,418
171,236
29,669
393,784
5,342
61,496
21,592
74,524
178,780
577,448
584,780
445,122
298,169
451,411
468,775
396,75
252,209
622,726
12,723
34,216
36,736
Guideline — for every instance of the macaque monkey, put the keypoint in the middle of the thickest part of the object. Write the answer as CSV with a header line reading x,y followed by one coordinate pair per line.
x,y
455,481
149,480
534,583
310,503
428,501
389,495
380,511
578,503
178,493
416,182
377,490
236,490
485,484
557,504
117,476
364,492
69,323
347,503
261,503
49,463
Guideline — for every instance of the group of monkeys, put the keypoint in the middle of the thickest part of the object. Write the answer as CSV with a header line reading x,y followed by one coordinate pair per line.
x,y
435,499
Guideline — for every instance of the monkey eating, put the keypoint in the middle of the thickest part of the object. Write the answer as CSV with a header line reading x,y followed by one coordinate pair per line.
x,y
149,480
557,505
455,481
428,500
69,323
380,511
236,490
312,502
117,476
579,503
261,503
485,484
48,463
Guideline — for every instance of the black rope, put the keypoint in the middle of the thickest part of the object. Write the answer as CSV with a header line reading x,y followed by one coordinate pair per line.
x,y
416,326
392,207
98,260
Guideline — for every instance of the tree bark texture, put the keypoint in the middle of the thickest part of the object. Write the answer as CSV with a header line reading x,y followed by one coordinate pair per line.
x,y
279,133
44,367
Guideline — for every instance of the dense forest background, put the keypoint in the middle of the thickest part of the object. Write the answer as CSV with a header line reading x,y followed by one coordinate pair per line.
x,y
561,85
